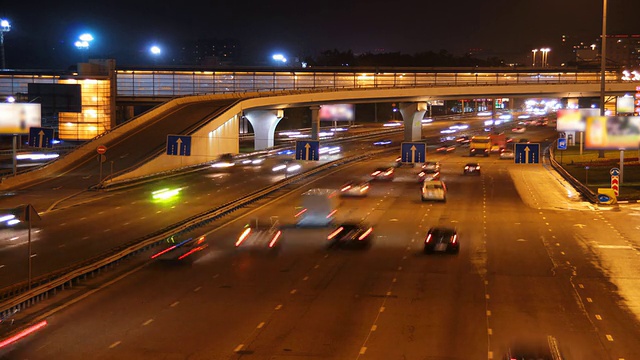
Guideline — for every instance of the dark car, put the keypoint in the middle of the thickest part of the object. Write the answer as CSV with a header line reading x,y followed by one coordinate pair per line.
x,y
428,175
355,188
441,239
351,235
471,169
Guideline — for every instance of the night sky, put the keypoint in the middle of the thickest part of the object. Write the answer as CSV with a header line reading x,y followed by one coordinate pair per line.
x,y
43,32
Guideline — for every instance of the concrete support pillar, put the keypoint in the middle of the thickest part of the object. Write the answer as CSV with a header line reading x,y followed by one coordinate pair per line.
x,y
412,114
264,124
315,122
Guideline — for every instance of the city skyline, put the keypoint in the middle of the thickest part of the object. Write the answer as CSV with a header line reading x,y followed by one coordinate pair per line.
x,y
44,37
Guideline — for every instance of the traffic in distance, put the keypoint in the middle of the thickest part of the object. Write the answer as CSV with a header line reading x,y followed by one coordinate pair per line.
x,y
342,296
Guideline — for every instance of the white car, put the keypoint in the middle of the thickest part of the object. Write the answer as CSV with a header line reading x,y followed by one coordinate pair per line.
x,y
519,129
434,190
507,154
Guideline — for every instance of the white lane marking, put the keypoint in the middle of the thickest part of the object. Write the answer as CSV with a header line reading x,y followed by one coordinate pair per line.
x,y
126,223
147,322
158,212
34,255
589,300
598,317
399,267
363,350
198,288
609,337
114,344
14,238
486,296
106,230
279,307
238,348
490,332
388,293
394,280
381,308
83,218
305,278
63,224
293,291
488,312
260,326
175,304
374,327
621,247
581,286
317,266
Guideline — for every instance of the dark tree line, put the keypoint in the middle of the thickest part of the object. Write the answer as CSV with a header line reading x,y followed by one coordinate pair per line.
x,y
423,59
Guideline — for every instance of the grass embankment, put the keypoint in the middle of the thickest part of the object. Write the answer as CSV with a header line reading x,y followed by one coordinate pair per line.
x,y
597,176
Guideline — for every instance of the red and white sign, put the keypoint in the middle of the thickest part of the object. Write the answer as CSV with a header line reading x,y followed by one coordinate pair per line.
x,y
615,184
101,149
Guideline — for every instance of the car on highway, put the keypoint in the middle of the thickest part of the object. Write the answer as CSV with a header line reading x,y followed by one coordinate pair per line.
x,y
519,129
523,141
255,236
433,190
382,142
507,154
175,248
428,175
383,173
431,165
355,188
471,169
351,235
441,239
446,149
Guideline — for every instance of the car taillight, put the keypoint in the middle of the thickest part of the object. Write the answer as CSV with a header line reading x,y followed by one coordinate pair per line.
x,y
478,167
333,234
388,173
332,213
346,188
365,234
363,189
428,239
243,236
275,238
375,173
454,238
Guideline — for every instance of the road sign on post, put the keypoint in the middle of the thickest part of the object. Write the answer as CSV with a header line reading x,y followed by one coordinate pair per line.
x,y
562,144
101,149
179,145
40,137
615,180
527,153
308,150
413,152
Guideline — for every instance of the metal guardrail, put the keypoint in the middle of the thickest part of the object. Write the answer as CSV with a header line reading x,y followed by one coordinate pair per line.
x,y
19,297
582,189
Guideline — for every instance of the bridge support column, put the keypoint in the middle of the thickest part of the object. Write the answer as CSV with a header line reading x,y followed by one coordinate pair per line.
x,y
264,124
315,122
412,114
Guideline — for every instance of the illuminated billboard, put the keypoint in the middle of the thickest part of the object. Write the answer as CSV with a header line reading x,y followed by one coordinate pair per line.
x,y
337,112
625,105
612,133
574,119
17,118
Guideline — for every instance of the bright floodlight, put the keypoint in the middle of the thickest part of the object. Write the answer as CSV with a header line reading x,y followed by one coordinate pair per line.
x,y
5,25
81,44
279,57
86,37
155,50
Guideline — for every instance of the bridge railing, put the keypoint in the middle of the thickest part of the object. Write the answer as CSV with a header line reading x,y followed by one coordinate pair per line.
x,y
157,83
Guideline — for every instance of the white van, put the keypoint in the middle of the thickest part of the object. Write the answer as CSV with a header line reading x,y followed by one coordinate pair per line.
x,y
434,190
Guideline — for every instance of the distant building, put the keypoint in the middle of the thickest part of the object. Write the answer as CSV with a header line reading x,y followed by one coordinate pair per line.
x,y
210,52
622,51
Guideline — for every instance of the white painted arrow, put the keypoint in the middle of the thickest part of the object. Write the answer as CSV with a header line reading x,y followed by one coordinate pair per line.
x,y
307,147
413,153
179,142
526,154
580,225
40,136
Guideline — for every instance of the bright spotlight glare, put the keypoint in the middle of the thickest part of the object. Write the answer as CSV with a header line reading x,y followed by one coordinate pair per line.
x,y
155,50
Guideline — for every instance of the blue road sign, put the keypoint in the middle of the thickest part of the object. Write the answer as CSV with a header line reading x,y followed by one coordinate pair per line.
x,y
527,153
413,152
179,145
614,172
40,137
308,150
562,144
603,198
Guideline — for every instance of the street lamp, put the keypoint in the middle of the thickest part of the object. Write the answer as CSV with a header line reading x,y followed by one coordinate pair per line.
x,y
545,56
155,51
534,51
4,27
279,58
83,42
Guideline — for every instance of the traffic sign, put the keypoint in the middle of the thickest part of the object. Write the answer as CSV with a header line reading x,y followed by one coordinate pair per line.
x,y
179,145
413,152
527,153
614,172
615,184
308,150
604,198
562,144
101,149
40,137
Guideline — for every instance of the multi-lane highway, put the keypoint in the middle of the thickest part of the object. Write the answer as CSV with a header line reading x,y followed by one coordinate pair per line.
x,y
536,266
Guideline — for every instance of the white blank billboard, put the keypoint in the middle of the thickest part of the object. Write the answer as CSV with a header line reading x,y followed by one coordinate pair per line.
x,y
17,118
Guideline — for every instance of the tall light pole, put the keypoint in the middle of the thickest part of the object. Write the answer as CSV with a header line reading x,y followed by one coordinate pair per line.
x,y
603,63
545,56
534,51
83,43
4,27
